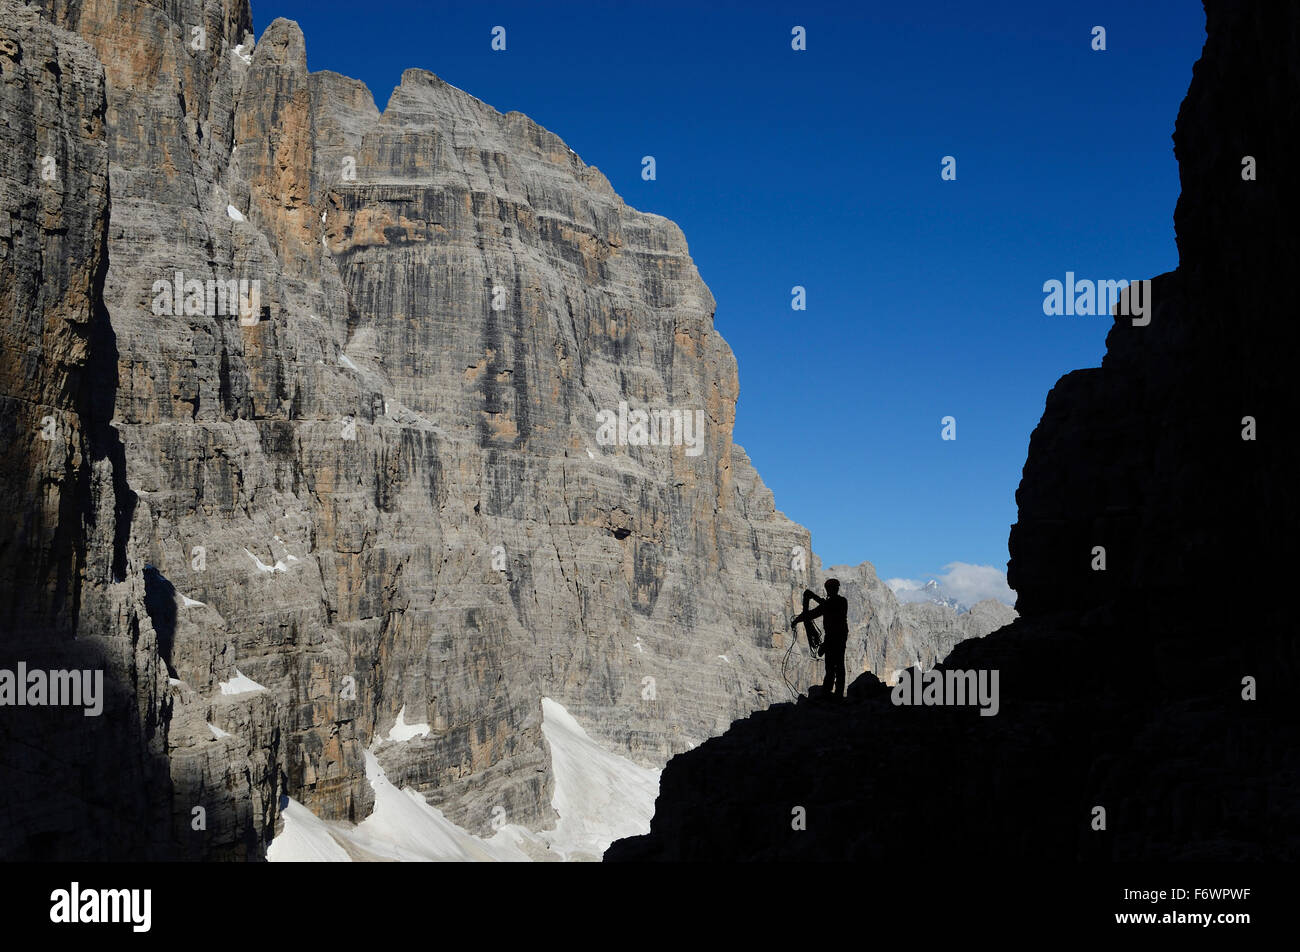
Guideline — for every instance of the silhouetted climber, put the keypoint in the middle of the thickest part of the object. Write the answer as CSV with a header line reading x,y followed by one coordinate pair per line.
x,y
834,608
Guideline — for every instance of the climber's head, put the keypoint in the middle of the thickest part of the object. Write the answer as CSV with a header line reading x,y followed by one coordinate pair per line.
x,y
832,586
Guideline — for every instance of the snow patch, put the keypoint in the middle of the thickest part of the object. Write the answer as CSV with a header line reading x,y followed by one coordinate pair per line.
x,y
240,684
287,557
187,602
403,731
403,826
234,213
304,839
599,796
217,732
280,565
343,359
246,57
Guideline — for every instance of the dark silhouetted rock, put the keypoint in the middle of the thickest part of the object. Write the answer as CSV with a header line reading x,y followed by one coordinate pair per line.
x,y
1120,689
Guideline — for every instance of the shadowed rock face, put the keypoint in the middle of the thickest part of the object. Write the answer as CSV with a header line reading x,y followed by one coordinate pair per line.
x,y
1144,455
1123,688
325,385
64,543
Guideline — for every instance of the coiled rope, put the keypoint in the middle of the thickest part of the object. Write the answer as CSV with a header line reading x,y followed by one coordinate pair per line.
x,y
812,655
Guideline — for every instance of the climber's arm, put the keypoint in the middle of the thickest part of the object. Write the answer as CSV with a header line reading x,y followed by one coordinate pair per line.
x,y
810,613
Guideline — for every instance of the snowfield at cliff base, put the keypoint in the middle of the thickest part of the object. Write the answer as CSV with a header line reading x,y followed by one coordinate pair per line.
x,y
599,796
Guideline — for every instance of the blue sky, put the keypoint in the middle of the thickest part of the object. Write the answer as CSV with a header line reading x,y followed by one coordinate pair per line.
x,y
821,168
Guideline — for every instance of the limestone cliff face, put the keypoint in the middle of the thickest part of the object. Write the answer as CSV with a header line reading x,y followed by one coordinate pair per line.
x,y
325,384
326,387
1137,688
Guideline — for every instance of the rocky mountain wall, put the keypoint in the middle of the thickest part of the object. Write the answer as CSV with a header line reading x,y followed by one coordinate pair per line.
x,y
327,471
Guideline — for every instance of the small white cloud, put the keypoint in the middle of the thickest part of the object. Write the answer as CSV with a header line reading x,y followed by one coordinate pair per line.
x,y
960,582
974,583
